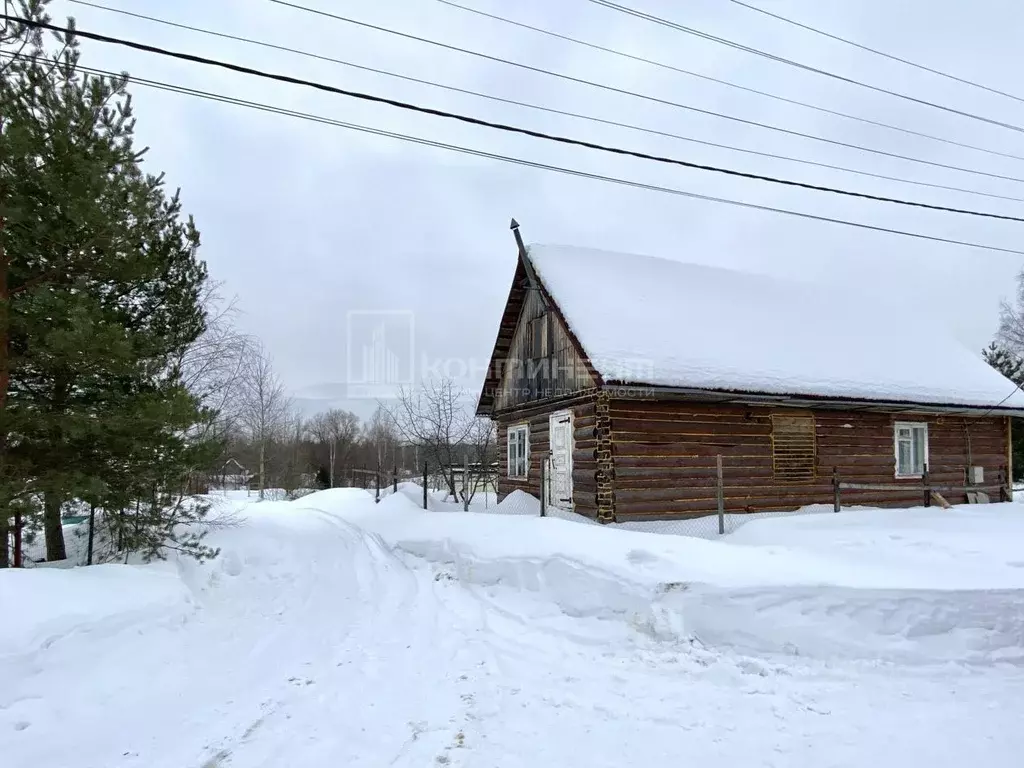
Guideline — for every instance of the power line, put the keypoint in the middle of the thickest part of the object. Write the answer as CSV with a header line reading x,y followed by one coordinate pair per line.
x,y
875,51
720,81
504,126
791,62
184,90
550,110
635,94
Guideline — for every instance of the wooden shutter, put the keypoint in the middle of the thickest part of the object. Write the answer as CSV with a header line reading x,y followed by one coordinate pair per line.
x,y
793,448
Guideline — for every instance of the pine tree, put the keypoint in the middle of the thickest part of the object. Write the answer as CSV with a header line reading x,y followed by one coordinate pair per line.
x,y
100,290
1004,361
1011,366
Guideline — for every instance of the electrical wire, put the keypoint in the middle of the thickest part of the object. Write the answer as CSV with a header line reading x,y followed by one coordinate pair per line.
x,y
876,51
501,126
709,78
538,107
540,166
791,62
636,94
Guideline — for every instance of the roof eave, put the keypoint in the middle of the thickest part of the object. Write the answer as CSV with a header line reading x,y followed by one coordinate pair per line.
x,y
818,401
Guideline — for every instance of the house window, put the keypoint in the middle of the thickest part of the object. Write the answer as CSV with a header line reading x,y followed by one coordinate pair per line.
x,y
911,448
793,448
518,450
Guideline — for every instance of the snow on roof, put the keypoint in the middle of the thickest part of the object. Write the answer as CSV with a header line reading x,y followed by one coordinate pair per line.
x,y
655,321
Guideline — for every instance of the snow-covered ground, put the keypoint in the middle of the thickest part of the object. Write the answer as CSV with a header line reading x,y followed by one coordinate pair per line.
x,y
333,631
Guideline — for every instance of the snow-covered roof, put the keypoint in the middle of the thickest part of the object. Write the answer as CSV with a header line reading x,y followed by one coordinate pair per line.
x,y
655,321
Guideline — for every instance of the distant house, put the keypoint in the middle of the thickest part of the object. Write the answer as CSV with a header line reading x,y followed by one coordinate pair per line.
x,y
232,477
627,376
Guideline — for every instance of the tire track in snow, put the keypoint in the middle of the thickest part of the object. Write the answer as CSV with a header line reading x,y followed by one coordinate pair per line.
x,y
399,644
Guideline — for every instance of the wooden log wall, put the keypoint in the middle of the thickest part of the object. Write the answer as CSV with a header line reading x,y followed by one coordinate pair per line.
x,y
584,447
664,457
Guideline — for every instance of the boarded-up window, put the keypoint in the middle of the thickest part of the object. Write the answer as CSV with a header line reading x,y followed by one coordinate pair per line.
x,y
793,448
538,344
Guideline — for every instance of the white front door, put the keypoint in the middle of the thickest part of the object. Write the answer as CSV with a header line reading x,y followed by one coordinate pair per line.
x,y
560,465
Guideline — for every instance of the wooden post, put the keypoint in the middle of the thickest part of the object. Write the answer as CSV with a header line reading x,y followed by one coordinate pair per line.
x,y
465,482
1009,459
376,483
836,490
394,479
424,485
543,486
721,496
927,487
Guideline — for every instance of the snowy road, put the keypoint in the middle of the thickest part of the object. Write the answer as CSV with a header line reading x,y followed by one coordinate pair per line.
x,y
310,642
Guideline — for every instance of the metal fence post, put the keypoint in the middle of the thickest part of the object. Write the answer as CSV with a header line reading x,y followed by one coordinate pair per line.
x,y
465,482
424,485
836,490
927,487
394,479
543,486
721,497
376,482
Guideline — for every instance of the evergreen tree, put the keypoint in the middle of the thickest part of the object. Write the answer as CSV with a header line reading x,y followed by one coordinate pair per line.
x,y
100,292
1011,366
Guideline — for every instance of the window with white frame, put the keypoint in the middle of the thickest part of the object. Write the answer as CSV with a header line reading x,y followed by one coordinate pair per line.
x,y
911,448
518,450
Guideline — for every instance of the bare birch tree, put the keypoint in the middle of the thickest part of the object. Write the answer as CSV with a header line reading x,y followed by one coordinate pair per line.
x,y
1011,321
295,464
338,430
213,367
381,435
264,408
436,417
482,451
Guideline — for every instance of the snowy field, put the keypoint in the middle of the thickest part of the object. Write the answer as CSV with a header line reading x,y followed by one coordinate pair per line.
x,y
333,631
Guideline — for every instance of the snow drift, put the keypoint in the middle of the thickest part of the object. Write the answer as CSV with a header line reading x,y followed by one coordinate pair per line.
x,y
44,605
915,586
335,631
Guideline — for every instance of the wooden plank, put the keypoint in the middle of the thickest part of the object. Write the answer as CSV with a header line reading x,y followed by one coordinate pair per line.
x,y
706,481
697,429
639,444
681,409
917,487
658,462
584,498
684,474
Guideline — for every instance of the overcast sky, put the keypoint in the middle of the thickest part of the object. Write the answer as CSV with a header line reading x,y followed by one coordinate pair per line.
x,y
304,222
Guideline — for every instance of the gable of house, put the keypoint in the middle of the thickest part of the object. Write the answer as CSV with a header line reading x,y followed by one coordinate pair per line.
x,y
542,361
535,356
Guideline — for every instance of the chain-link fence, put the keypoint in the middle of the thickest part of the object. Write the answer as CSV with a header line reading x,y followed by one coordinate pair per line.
x,y
721,488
